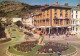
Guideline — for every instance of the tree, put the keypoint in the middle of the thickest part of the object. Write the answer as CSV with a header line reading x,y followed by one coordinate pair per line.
x,y
2,31
19,24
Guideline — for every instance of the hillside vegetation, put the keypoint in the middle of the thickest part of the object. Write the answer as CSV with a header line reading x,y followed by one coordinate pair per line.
x,y
16,9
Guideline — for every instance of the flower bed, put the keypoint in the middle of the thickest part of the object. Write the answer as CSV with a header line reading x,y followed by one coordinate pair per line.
x,y
52,47
25,46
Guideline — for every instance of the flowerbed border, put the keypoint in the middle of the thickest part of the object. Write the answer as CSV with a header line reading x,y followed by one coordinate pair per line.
x,y
6,40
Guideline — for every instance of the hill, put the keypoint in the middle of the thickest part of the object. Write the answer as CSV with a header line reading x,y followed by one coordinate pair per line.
x,y
16,9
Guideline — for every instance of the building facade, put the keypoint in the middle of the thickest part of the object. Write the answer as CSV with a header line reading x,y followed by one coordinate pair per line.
x,y
75,19
28,20
54,19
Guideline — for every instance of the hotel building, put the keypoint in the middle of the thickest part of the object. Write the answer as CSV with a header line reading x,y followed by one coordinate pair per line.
x,y
54,19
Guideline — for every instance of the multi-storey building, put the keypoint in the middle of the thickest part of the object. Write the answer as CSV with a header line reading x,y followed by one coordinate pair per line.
x,y
54,19
75,19
28,20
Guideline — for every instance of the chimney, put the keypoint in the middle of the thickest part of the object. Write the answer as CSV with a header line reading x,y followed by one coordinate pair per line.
x,y
46,5
66,4
56,3
78,5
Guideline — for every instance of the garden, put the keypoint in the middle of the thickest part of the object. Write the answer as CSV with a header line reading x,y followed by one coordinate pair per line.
x,y
31,48
52,47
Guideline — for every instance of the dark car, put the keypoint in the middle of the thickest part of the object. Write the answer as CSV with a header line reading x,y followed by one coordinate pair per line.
x,y
13,29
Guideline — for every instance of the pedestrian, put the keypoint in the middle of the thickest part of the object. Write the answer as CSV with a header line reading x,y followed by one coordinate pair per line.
x,y
49,35
59,53
9,47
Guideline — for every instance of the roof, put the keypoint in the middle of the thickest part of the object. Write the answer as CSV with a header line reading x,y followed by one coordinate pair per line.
x,y
75,8
61,6
58,6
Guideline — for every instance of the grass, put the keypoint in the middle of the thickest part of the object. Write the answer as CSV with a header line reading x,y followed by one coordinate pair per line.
x,y
70,50
33,52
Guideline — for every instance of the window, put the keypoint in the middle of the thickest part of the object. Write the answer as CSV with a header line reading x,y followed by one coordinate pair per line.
x,y
43,16
55,10
56,21
60,10
47,11
55,14
66,21
61,15
73,22
73,28
61,22
66,11
76,29
40,21
72,11
44,21
76,16
47,15
66,15
76,12
72,16
47,22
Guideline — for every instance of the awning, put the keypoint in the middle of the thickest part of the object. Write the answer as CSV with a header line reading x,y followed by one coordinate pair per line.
x,y
69,27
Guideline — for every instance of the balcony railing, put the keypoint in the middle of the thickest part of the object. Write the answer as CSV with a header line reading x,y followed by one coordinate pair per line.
x,y
55,18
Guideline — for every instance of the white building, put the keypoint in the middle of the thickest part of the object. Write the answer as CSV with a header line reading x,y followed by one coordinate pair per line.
x,y
75,20
16,19
28,21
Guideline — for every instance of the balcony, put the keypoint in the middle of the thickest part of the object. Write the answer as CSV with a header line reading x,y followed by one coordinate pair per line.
x,y
55,17
66,17
47,19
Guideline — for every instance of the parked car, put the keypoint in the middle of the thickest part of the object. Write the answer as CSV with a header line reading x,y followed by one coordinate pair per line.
x,y
13,36
21,30
13,29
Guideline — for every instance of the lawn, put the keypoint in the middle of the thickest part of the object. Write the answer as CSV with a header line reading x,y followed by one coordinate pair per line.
x,y
33,52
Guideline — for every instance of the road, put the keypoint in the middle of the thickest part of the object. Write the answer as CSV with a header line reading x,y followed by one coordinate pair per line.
x,y
4,46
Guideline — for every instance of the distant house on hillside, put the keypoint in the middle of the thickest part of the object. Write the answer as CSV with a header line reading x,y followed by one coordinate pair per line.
x,y
3,19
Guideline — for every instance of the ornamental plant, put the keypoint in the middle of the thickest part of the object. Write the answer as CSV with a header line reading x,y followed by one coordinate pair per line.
x,y
51,47
25,46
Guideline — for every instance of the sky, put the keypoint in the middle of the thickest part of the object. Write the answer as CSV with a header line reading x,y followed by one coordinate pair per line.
x,y
50,2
